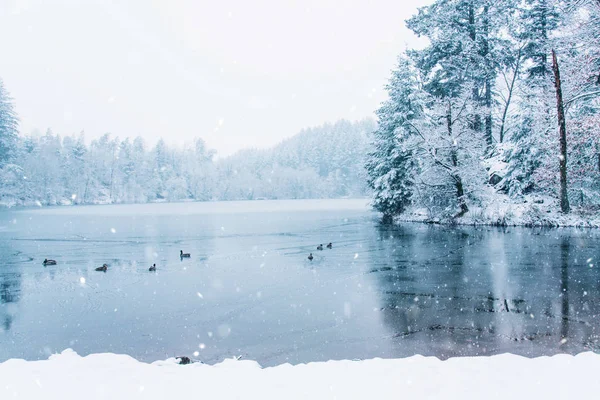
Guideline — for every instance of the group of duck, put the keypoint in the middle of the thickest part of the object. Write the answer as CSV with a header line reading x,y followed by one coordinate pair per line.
x,y
104,267
182,255
320,248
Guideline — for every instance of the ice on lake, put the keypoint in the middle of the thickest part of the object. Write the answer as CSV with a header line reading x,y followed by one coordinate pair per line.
x,y
248,288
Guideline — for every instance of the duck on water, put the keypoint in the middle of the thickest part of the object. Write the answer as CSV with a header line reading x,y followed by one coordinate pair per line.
x,y
49,262
184,255
103,268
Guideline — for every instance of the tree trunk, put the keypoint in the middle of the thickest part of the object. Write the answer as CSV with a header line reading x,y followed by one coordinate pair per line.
x,y
510,94
475,118
387,219
458,184
488,82
562,127
488,114
544,23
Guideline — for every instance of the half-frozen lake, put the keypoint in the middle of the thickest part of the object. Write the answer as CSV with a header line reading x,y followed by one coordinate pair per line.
x,y
248,288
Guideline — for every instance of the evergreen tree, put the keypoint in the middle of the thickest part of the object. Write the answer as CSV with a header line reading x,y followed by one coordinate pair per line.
x,y
539,19
391,166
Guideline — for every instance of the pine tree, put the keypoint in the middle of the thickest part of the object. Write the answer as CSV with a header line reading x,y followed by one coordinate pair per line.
x,y
390,166
540,19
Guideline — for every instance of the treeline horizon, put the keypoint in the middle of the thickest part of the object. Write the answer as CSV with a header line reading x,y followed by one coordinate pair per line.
x,y
50,169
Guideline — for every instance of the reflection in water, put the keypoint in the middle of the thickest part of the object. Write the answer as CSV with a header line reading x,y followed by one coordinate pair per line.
x,y
10,289
47,309
501,288
10,283
465,292
249,289
564,286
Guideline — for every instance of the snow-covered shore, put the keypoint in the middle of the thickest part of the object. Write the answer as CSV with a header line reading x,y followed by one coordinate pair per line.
x,y
108,376
500,210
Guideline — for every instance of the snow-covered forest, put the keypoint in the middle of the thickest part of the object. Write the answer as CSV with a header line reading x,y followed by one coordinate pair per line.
x,y
502,106
48,169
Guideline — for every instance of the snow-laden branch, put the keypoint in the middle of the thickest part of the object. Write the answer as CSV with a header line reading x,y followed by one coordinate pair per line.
x,y
582,96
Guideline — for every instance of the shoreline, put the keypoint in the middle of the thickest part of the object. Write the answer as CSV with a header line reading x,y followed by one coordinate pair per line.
x,y
502,211
531,225
505,214
29,207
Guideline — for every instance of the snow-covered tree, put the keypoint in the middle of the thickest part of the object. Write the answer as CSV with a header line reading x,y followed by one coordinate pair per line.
x,y
9,123
391,164
467,48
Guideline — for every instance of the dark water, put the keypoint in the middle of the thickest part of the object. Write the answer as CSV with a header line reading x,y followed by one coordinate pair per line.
x,y
249,290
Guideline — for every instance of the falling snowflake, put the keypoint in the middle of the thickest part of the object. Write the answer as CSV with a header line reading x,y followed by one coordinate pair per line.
x,y
113,230
224,330
82,280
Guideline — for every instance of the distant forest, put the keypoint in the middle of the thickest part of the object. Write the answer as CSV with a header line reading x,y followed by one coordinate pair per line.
x,y
50,169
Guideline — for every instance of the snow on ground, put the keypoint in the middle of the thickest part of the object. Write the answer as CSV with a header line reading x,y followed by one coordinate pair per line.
x,y
108,376
499,209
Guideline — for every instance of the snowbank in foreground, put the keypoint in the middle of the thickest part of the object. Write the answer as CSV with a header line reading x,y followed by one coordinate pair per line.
x,y
110,376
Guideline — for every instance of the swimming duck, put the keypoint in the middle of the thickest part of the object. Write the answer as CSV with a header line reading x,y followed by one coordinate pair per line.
x,y
320,247
152,268
184,255
330,246
49,262
310,257
103,268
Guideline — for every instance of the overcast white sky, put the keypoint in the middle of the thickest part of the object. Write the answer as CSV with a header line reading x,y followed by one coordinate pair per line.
x,y
238,73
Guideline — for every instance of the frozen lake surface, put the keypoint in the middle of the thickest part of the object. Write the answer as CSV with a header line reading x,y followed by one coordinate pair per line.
x,y
248,288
